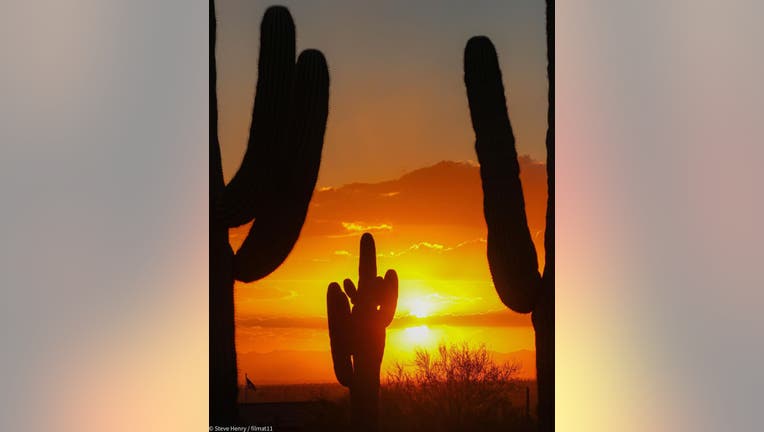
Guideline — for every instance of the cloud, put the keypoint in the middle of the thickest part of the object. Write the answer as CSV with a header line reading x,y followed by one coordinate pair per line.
x,y
342,253
445,194
360,227
430,246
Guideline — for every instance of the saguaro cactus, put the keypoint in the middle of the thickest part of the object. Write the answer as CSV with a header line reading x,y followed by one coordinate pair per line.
x,y
511,253
357,336
273,185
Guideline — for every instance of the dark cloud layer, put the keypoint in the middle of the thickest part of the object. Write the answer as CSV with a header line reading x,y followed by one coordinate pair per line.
x,y
489,319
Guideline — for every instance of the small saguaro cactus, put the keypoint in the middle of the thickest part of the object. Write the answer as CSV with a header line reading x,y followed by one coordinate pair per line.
x,y
357,335
273,185
511,253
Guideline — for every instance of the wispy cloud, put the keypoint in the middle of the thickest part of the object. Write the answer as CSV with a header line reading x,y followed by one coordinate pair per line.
x,y
430,246
356,227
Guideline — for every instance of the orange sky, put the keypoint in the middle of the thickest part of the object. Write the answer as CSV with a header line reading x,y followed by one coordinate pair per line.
x,y
397,107
429,227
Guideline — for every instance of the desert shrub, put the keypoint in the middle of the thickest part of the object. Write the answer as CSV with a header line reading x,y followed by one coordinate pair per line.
x,y
458,387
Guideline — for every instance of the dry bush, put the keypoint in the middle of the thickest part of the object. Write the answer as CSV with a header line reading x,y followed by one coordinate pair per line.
x,y
456,388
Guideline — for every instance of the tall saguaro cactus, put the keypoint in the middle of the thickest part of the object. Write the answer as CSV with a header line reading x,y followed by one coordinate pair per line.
x,y
272,187
357,335
511,253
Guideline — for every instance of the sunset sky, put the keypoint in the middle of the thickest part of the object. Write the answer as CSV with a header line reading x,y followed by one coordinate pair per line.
x,y
397,109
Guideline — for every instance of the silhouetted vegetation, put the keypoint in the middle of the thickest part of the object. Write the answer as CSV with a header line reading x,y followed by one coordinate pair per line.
x,y
455,388
357,335
511,253
273,185
458,387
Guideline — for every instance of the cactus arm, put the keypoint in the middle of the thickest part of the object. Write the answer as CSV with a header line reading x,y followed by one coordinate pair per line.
x,y
550,154
275,231
543,314
511,253
216,169
350,289
369,285
267,245
389,297
338,312
274,185
310,110
367,261
260,170
222,356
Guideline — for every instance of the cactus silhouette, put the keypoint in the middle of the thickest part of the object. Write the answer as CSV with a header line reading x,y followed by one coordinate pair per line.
x,y
273,185
357,335
511,253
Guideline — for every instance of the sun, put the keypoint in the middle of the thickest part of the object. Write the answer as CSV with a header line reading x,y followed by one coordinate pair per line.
x,y
419,308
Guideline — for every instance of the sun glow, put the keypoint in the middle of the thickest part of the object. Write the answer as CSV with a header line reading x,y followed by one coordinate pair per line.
x,y
420,308
417,335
